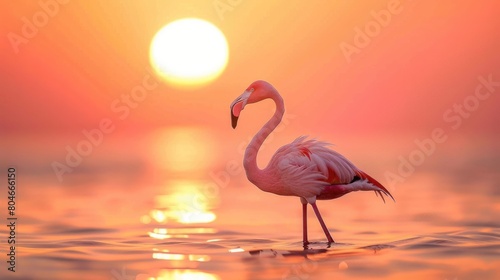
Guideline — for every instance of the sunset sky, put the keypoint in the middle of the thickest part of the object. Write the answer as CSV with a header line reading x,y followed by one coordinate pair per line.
x,y
427,58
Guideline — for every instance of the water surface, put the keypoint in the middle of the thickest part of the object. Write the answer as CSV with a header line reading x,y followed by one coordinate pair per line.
x,y
130,220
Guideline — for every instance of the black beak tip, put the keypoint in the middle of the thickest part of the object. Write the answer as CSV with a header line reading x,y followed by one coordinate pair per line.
x,y
234,121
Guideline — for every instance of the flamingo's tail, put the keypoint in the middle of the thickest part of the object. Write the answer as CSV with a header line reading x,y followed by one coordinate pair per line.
x,y
374,182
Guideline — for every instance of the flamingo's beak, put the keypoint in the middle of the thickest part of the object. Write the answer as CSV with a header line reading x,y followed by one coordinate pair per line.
x,y
237,106
234,120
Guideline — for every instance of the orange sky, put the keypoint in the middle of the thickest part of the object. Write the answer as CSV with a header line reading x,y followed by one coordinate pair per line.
x,y
88,54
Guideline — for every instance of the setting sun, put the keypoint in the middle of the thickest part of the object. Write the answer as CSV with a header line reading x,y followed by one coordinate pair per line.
x,y
189,52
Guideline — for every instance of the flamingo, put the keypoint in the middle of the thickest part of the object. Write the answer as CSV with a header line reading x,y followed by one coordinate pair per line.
x,y
306,168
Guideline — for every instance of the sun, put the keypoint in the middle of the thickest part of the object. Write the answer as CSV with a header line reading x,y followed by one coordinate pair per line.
x,y
189,52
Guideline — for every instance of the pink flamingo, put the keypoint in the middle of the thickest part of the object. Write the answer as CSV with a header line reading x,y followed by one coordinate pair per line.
x,y
303,168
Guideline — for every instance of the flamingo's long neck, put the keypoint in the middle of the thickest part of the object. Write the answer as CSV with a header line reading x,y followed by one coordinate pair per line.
x,y
250,159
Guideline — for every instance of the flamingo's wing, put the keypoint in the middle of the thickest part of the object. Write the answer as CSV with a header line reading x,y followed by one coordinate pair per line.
x,y
306,166
309,168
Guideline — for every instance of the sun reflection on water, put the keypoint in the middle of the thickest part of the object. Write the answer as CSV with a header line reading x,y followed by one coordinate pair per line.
x,y
180,257
164,233
177,214
184,274
236,250
181,209
183,203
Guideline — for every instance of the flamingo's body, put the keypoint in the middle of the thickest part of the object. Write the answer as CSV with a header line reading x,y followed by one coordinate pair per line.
x,y
304,168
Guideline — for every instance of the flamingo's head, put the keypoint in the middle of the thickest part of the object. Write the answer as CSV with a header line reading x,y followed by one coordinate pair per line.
x,y
256,92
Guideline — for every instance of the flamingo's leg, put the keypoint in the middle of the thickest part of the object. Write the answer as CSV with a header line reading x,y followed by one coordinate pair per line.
x,y
304,221
322,223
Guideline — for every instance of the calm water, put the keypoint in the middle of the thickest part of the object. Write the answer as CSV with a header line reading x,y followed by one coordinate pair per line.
x,y
125,221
